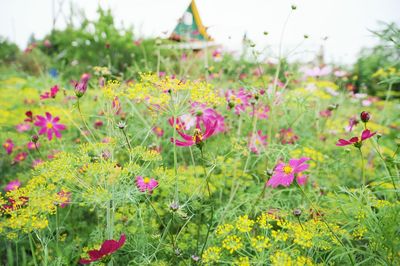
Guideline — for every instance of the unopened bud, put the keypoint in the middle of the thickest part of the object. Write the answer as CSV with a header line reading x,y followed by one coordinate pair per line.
x,y
297,212
365,116
35,138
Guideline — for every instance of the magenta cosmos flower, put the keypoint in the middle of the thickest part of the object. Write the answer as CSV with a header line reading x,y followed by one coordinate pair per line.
x,y
20,157
81,86
52,94
199,134
107,248
357,142
12,185
8,146
257,142
146,183
49,125
284,174
238,99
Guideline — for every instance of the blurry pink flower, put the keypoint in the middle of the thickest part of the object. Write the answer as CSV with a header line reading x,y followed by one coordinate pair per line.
x,y
12,185
98,124
287,136
116,105
198,136
8,146
36,162
284,174
261,112
257,141
158,131
20,157
340,73
49,125
357,142
23,127
52,94
146,183
217,55
188,121
106,140
161,74
31,145
352,122
52,154
238,99
325,113
184,57
301,179
318,72
64,198
81,86
47,43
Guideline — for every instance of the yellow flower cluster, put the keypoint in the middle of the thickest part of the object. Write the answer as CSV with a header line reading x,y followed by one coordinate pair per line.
x,y
232,243
281,258
244,224
211,254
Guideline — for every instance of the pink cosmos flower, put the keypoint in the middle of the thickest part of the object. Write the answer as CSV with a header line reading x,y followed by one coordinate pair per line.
x,y
318,72
287,136
352,122
52,94
23,127
199,134
8,146
81,86
217,55
261,112
12,185
257,141
284,174
107,248
146,183
64,198
158,131
205,113
36,162
357,142
238,99
20,157
31,145
49,125
116,105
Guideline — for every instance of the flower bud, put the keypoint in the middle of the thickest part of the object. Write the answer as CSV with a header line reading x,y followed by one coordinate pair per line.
x,y
121,125
294,7
35,138
365,116
297,212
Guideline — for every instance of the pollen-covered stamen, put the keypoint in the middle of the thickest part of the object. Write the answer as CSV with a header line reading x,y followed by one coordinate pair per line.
x,y
146,180
49,125
287,169
197,136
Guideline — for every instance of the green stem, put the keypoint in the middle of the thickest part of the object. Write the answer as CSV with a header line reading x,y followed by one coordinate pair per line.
x,y
326,224
127,140
83,119
362,167
32,249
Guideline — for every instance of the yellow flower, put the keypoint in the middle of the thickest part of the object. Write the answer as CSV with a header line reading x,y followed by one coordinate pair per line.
x,y
260,243
224,229
242,261
232,243
244,224
211,254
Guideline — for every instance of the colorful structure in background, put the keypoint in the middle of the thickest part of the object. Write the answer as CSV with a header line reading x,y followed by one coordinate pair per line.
x,y
189,27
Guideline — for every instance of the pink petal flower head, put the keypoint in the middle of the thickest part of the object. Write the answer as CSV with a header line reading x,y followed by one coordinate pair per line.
x,y
81,86
49,125
284,174
257,142
287,136
352,123
238,99
36,162
261,112
12,185
357,142
318,72
146,184
203,112
20,157
64,198
199,134
23,127
116,105
8,146
107,248
52,94
31,145
158,131
325,113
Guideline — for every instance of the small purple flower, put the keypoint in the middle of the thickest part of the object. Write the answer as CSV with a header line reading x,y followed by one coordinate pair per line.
x,y
12,185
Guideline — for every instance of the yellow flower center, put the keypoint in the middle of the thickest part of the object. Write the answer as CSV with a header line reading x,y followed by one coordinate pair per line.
x,y
197,136
287,169
49,125
146,180
6,145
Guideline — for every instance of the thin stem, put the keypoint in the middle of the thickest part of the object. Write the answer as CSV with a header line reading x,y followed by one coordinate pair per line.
x,y
32,249
326,224
83,119
127,140
362,167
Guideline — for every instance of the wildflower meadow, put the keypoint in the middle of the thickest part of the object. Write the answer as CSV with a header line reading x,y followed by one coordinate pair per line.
x,y
128,151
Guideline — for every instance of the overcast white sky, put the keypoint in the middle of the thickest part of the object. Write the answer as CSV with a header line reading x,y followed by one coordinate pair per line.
x,y
344,22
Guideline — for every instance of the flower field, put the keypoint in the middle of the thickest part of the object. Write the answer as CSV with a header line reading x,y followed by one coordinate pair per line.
x,y
271,164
